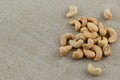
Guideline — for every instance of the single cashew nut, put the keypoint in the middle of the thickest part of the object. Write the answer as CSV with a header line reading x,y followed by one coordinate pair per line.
x,y
89,44
80,36
97,39
72,12
98,52
78,54
103,42
106,50
92,27
92,35
82,20
102,30
107,14
65,37
89,53
94,71
64,50
77,24
93,20
76,44
83,29
112,34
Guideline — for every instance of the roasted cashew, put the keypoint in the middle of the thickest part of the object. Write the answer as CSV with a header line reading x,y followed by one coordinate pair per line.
x,y
88,34
94,71
106,50
72,11
77,24
103,42
82,20
107,14
98,52
78,54
64,50
89,53
93,20
83,29
102,30
65,37
80,36
92,27
97,39
90,43
76,44
112,34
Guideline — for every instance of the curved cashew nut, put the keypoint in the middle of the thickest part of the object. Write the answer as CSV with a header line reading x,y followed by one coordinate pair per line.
x,y
97,39
106,50
88,34
102,30
76,44
65,37
93,20
84,29
103,42
77,24
82,20
89,54
78,54
72,12
80,36
92,27
98,52
64,50
94,71
112,34
89,44
107,14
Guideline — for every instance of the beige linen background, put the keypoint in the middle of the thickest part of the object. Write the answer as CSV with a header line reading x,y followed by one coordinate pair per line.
x,y
29,40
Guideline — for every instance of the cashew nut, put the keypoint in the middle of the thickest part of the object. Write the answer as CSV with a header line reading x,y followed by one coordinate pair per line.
x,y
84,29
94,71
65,37
82,20
78,54
112,34
98,52
79,36
77,24
88,34
103,42
64,50
102,30
89,44
92,27
93,20
76,44
106,50
107,14
72,12
97,39
89,54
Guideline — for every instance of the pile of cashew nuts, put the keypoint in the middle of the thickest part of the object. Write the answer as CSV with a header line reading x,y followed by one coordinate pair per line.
x,y
92,40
